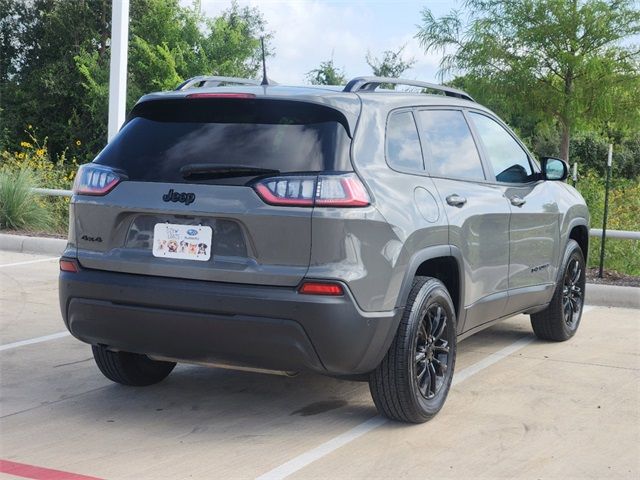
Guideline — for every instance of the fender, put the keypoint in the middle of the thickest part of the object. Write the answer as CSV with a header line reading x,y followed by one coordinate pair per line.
x,y
429,253
564,239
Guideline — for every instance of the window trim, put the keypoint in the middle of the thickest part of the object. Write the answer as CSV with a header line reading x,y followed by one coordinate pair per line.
x,y
396,168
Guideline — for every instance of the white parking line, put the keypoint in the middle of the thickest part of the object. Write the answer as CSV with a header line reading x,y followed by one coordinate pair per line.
x,y
31,341
27,262
307,458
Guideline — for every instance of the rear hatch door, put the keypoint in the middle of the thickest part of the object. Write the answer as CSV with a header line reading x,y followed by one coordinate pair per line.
x,y
192,163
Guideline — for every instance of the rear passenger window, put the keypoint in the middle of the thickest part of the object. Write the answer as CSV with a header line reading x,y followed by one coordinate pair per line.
x,y
403,144
449,147
509,161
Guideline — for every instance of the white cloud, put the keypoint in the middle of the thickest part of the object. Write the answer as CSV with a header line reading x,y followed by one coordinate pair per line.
x,y
306,32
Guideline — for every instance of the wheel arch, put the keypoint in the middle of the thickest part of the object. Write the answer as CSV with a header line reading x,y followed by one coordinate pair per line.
x,y
580,233
443,262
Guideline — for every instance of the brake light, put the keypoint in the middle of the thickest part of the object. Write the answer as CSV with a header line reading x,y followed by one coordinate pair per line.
x,y
221,95
321,288
94,179
310,190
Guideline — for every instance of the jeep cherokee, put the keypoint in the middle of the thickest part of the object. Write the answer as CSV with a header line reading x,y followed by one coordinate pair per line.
x,y
357,232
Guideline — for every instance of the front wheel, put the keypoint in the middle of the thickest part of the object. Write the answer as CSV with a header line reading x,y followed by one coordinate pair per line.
x,y
413,380
560,320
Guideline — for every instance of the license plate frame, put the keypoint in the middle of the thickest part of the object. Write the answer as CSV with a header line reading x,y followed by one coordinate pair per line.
x,y
183,242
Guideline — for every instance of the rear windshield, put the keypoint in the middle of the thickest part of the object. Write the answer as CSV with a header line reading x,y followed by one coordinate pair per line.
x,y
162,137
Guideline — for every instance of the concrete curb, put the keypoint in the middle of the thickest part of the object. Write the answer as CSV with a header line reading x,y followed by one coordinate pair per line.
x,y
25,244
597,294
612,296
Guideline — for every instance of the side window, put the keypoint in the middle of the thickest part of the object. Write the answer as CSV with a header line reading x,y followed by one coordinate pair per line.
x,y
403,144
450,149
509,161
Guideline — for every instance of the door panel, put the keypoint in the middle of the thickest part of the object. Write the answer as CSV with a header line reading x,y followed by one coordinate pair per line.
x,y
477,212
534,238
534,226
480,229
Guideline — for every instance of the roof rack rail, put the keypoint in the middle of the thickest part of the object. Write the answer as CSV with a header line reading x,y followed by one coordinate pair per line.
x,y
369,84
215,80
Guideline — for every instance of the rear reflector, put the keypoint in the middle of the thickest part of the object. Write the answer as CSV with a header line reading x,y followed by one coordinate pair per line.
x,y
321,288
339,190
68,266
94,179
221,95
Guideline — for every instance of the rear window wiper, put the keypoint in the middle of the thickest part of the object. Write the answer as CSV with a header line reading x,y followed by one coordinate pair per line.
x,y
205,171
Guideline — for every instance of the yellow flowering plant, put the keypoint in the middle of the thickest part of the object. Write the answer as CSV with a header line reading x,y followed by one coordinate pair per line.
x,y
58,173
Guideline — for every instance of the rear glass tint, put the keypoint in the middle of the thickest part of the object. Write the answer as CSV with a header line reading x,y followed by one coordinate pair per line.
x,y
165,136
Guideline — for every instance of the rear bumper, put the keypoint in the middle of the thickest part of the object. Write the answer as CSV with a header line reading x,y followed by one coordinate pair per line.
x,y
247,325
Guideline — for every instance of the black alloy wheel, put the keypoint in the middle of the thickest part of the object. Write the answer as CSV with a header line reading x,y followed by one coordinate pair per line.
x,y
432,351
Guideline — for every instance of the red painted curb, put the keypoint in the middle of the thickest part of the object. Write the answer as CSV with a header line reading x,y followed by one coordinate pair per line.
x,y
39,473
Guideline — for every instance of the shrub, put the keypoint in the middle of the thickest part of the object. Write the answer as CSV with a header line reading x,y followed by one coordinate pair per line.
x,y
20,208
624,214
58,173
590,151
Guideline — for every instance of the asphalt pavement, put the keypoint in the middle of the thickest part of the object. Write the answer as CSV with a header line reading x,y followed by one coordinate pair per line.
x,y
520,408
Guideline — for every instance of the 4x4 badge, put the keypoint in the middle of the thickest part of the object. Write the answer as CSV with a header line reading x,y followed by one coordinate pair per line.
x,y
186,198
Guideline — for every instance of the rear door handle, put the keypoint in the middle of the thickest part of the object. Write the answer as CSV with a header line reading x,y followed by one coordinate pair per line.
x,y
456,200
517,201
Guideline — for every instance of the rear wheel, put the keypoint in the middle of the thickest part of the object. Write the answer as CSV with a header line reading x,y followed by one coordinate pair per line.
x,y
413,380
560,320
130,368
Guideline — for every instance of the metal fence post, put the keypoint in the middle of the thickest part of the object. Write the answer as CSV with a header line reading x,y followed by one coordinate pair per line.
x,y
606,211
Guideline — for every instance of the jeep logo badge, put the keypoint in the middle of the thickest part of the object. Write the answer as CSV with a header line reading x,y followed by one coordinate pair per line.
x,y
186,198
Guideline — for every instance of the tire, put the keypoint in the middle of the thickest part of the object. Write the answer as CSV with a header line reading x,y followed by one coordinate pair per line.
x,y
130,369
401,385
560,320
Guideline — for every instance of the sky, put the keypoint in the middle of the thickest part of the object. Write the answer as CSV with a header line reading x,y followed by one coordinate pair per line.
x,y
307,32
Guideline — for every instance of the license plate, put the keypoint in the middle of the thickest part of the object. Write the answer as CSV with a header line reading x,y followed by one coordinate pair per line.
x,y
187,242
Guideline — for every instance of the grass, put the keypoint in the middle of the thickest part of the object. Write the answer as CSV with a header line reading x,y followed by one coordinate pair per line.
x,y
20,208
624,214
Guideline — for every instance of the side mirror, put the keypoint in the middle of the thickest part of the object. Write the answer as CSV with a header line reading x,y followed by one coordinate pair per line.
x,y
554,168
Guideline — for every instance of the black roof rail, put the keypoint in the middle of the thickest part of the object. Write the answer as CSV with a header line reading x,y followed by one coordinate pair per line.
x,y
369,84
216,81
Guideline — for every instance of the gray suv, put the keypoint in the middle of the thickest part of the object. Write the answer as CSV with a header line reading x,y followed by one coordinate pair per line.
x,y
357,232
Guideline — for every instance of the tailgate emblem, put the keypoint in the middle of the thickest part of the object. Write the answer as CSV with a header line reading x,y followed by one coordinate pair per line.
x,y
172,196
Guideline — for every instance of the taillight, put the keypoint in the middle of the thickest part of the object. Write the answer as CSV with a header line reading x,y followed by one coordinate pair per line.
x,y
295,191
321,288
314,190
341,191
94,179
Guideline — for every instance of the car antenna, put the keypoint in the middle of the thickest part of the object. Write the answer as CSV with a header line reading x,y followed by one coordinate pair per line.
x,y
265,80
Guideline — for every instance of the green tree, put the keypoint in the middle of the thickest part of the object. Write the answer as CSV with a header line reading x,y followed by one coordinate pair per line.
x,y
56,68
169,44
392,64
42,86
326,74
567,59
